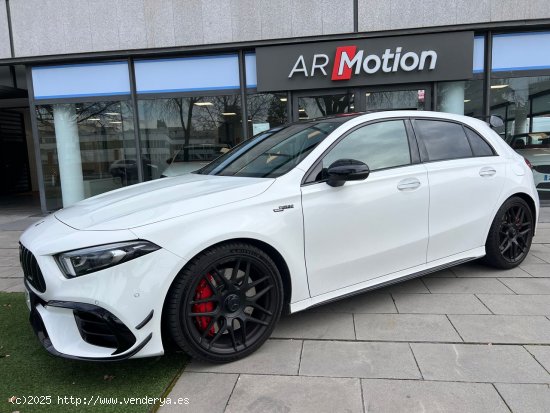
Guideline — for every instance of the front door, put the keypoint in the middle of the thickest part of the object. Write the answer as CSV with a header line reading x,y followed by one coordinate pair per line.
x,y
370,228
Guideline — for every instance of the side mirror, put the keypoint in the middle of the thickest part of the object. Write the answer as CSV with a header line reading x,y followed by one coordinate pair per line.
x,y
344,170
496,121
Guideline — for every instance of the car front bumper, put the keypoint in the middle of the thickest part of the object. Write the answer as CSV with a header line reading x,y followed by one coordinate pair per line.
x,y
95,327
112,314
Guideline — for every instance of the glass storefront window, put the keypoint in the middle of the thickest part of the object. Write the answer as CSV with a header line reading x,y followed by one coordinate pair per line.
x,y
182,134
462,98
265,111
524,104
86,149
396,100
310,107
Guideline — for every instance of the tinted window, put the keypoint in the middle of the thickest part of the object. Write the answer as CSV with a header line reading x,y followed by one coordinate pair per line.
x,y
379,145
443,140
478,144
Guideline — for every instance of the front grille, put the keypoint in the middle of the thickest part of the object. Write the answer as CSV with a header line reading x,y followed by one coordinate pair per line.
x,y
543,169
101,328
31,269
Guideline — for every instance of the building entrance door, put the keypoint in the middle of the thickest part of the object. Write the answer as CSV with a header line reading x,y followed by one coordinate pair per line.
x,y
315,104
310,105
405,99
14,163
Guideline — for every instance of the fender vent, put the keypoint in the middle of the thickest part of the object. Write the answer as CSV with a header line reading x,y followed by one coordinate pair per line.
x,y
101,328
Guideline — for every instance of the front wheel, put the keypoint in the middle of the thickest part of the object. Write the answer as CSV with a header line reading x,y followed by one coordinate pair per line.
x,y
225,303
510,235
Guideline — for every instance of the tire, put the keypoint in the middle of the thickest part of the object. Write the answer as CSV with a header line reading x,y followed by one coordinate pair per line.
x,y
510,235
225,303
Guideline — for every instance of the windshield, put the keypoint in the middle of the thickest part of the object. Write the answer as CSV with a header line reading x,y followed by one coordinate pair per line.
x,y
272,153
535,140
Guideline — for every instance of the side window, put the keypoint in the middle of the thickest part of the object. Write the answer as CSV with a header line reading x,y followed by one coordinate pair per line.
x,y
478,144
442,140
380,145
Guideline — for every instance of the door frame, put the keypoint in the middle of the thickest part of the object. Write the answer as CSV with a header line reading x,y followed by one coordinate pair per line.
x,y
360,99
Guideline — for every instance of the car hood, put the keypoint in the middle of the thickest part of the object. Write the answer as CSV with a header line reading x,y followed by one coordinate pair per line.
x,y
536,156
159,200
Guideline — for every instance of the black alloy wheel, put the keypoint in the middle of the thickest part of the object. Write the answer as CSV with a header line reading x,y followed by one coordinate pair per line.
x,y
510,235
225,303
514,233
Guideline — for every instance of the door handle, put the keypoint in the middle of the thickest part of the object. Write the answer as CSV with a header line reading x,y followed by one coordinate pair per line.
x,y
408,184
487,171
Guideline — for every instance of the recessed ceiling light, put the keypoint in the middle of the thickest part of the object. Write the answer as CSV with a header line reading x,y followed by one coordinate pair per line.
x,y
467,100
92,119
499,86
228,113
203,103
112,113
284,99
301,110
115,121
367,94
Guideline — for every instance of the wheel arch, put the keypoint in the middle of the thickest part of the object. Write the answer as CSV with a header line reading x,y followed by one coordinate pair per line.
x,y
529,200
494,257
273,253
523,195
279,260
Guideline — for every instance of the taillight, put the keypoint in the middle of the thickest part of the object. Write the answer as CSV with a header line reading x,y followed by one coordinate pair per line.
x,y
528,163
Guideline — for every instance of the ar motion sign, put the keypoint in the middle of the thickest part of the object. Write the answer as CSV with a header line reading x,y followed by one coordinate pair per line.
x,y
348,58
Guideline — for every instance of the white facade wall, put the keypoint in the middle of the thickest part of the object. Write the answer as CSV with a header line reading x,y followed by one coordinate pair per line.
x,y
52,27
5,50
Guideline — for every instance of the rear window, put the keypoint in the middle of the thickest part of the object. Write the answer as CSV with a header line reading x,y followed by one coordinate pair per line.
x,y
480,147
442,140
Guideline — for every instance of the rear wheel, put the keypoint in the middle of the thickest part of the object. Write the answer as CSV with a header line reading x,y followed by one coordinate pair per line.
x,y
225,302
510,235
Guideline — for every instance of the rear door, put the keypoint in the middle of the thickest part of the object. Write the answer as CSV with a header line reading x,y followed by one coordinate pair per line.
x,y
466,178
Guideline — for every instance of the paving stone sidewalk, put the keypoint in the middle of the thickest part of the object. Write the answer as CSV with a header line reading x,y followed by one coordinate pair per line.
x,y
14,219
468,339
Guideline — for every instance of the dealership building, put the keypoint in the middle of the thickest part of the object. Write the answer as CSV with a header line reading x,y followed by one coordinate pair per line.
x,y
97,94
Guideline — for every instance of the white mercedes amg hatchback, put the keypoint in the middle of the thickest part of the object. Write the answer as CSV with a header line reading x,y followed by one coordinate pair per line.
x,y
311,212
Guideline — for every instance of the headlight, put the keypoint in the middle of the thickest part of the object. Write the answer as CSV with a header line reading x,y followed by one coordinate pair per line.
x,y
84,261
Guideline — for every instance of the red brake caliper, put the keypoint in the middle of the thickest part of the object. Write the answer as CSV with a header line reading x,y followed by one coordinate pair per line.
x,y
202,292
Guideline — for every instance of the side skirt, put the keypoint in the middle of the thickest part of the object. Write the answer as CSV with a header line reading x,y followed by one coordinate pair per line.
x,y
294,308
